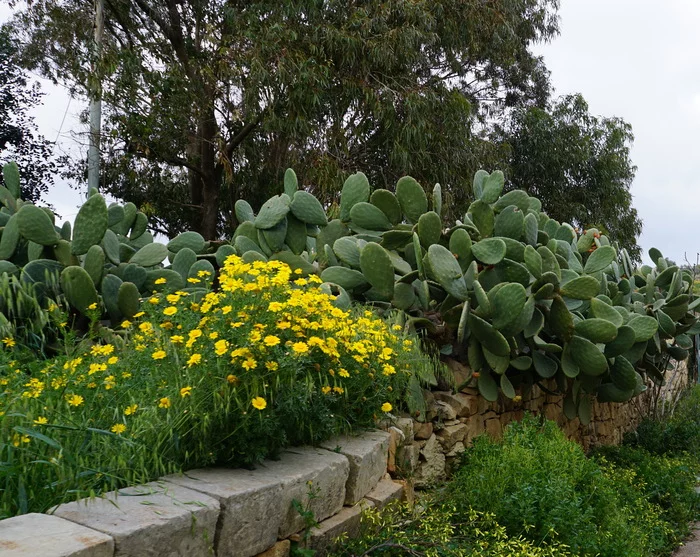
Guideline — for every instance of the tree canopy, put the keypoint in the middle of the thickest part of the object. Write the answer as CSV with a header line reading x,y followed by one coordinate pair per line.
x,y
209,101
19,139
579,166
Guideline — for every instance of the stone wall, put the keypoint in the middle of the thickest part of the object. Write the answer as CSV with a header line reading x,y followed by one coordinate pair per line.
x,y
222,512
426,451
246,513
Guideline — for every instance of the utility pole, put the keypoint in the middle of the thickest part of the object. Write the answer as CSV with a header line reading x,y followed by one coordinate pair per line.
x,y
96,101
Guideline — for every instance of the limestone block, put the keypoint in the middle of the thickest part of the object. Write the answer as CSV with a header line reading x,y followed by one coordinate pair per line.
x,y
367,456
432,469
476,428
457,450
464,405
407,458
50,536
422,431
347,522
280,549
493,428
443,411
385,492
257,504
452,434
155,519
406,426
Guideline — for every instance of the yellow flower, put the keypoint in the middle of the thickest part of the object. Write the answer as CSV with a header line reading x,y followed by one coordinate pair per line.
x,y
249,364
185,391
153,300
170,310
194,360
339,390
74,400
173,298
158,355
259,403
214,335
161,280
164,402
118,429
325,390
343,372
300,348
125,324
113,360
221,347
275,306
139,314
9,342
110,382
193,280
129,410
177,339
203,273
272,366
232,379
93,305
388,369
387,407
226,310
40,420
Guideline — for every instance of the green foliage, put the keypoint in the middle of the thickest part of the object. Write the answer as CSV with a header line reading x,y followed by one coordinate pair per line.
x,y
578,165
666,481
436,529
200,378
537,483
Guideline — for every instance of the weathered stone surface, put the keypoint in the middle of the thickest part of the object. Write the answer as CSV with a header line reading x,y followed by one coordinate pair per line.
x,y
257,504
367,455
493,428
422,431
385,492
42,535
463,405
457,450
443,411
407,458
432,469
452,434
155,519
406,426
347,522
460,372
280,549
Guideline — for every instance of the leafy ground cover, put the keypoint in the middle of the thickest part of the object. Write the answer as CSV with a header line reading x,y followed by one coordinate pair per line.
x,y
211,376
536,493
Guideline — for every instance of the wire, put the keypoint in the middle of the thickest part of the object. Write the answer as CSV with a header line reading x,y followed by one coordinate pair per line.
x,y
60,128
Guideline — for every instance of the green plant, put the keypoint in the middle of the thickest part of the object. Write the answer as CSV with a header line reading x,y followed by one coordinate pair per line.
x,y
435,529
228,376
537,483
521,297
667,481
310,522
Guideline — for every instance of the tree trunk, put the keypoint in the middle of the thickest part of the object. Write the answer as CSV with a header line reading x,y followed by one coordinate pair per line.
x,y
205,185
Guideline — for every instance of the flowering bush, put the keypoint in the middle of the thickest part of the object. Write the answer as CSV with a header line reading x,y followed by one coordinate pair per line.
x,y
205,376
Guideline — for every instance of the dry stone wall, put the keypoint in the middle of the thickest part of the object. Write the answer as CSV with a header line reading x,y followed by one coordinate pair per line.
x,y
426,451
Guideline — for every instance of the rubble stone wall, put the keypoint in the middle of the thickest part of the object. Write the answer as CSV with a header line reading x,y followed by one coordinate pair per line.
x,y
426,451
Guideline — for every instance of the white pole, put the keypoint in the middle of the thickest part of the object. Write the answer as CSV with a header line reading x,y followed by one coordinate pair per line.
x,y
96,101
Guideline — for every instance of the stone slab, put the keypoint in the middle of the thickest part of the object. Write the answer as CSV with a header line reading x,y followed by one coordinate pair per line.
x,y
157,519
257,504
43,535
385,492
367,455
347,521
280,549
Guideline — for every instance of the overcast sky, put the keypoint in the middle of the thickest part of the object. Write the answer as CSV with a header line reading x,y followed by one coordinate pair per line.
x,y
636,59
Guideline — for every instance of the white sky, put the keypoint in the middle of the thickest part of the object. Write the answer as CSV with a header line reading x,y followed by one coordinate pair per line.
x,y
636,59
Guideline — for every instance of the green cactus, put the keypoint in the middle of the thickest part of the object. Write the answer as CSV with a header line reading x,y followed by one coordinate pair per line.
x,y
369,217
355,190
308,209
78,288
377,268
149,255
191,240
36,226
411,198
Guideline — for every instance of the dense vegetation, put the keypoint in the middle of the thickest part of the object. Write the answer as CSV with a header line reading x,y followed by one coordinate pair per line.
x,y
535,493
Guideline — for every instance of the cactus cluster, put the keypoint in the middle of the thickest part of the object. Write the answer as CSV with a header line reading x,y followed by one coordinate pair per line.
x,y
516,294
107,257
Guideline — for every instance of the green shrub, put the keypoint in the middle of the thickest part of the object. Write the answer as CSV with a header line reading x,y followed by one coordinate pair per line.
x,y
539,484
432,529
667,481
203,377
